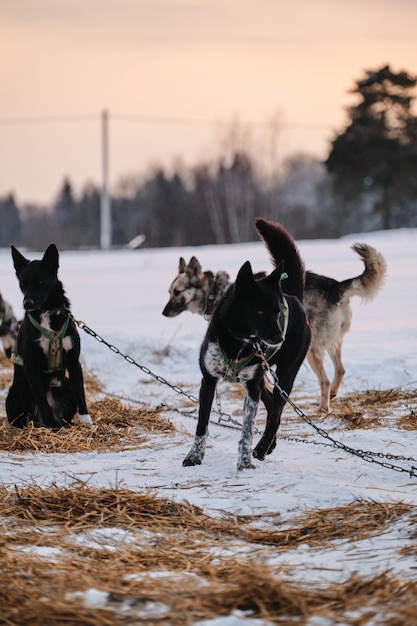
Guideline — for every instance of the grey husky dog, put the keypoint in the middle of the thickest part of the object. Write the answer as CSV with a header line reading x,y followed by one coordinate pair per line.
x,y
326,302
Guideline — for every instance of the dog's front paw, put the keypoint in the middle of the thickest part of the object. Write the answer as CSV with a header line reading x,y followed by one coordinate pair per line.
x,y
86,420
190,460
263,448
258,454
324,407
245,465
196,454
260,450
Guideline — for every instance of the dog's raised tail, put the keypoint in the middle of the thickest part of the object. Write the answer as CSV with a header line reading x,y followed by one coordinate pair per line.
x,y
282,247
368,284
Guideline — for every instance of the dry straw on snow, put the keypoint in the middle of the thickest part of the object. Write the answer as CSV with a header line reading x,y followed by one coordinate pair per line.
x,y
116,427
170,565
372,408
78,555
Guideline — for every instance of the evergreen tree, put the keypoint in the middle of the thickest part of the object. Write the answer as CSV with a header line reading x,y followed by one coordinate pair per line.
x,y
10,231
87,211
373,162
64,205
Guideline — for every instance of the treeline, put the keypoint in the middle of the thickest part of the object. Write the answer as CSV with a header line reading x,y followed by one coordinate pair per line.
x,y
367,182
213,203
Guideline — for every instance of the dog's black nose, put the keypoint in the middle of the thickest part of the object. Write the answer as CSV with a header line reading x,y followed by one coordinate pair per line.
x,y
28,304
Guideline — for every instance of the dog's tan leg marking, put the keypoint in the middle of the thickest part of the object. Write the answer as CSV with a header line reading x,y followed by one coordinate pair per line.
x,y
316,363
339,371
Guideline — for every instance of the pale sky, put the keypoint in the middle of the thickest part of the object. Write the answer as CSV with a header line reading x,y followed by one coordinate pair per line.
x,y
160,67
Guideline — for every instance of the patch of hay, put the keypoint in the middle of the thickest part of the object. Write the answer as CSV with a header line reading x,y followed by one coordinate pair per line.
x,y
355,521
112,412
115,427
170,560
87,507
374,408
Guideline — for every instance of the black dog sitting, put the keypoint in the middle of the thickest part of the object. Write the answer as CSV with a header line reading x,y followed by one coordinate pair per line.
x,y
47,349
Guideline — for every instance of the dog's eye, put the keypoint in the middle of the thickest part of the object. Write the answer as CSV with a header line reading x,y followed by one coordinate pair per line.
x,y
177,292
260,313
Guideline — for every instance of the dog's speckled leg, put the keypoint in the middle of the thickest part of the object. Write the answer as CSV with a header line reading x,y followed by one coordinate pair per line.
x,y
245,444
196,454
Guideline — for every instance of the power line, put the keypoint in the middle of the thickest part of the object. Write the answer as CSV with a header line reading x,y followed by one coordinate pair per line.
x,y
51,119
207,122
153,119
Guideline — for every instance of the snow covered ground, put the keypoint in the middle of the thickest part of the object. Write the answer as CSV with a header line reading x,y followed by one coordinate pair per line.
x,y
120,294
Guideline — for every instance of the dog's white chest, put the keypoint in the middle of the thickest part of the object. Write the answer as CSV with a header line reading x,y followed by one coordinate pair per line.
x,y
218,366
213,361
45,343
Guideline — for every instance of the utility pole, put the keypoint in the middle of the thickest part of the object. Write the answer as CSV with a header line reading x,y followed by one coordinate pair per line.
x,y
105,205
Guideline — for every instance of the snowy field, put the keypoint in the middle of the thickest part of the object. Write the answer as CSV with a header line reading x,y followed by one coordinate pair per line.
x,y
120,295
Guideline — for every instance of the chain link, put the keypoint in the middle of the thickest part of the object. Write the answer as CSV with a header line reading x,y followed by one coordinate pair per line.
x,y
225,419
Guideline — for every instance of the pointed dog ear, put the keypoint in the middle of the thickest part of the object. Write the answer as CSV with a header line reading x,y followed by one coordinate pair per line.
x,y
274,278
182,266
194,266
51,258
19,261
245,279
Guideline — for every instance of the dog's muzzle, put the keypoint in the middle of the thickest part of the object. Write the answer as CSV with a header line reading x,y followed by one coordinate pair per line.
x,y
29,304
172,309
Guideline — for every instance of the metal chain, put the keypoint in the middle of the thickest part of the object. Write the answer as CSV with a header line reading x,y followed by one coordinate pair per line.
x,y
222,416
225,419
363,454
228,420
382,455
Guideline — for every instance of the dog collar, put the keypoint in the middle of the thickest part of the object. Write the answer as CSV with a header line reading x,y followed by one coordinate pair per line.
x,y
285,312
234,367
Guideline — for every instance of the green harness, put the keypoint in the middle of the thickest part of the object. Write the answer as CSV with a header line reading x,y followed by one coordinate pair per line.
x,y
235,367
55,350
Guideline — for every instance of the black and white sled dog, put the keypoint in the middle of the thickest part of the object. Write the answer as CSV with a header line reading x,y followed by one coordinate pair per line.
x,y
8,326
326,301
47,386
254,327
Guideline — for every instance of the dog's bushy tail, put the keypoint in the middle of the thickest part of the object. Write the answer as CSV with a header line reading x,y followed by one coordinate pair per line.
x,y
371,280
282,247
